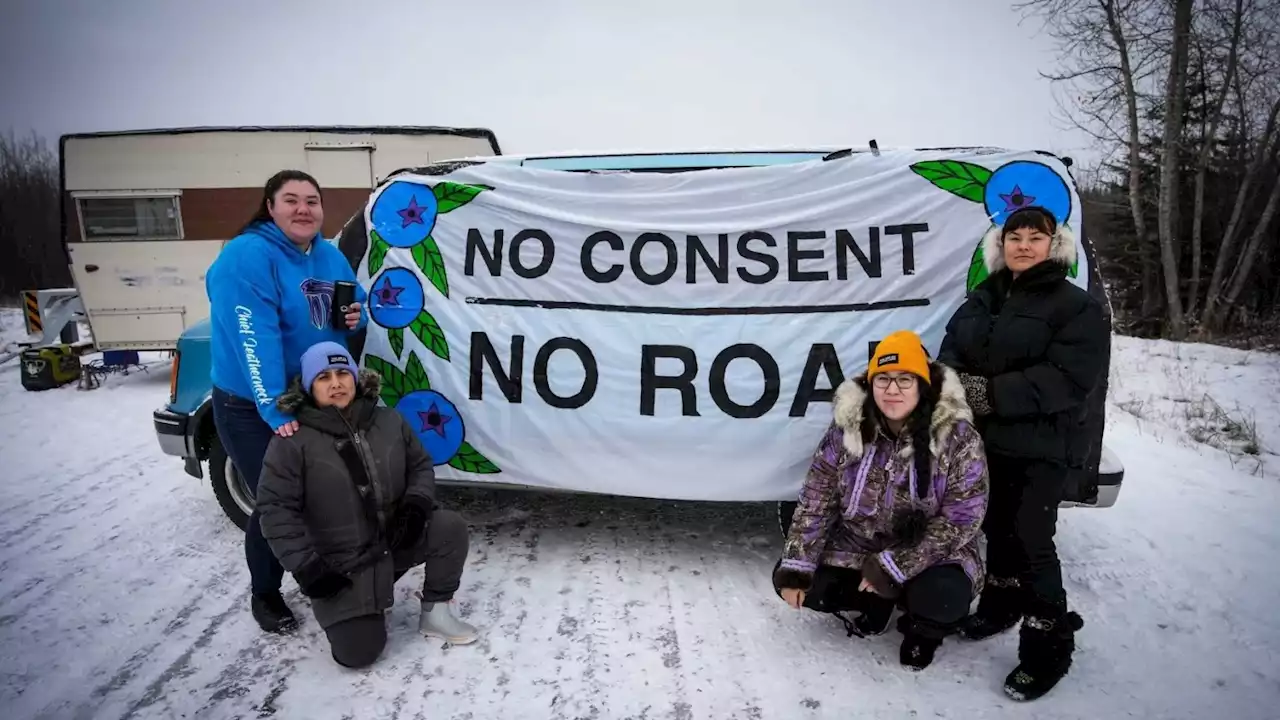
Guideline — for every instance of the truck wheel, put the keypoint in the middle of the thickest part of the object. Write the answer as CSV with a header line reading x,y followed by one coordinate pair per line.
x,y
786,511
228,486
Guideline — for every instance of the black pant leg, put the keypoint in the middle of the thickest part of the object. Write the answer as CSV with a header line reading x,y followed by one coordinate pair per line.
x,y
447,545
941,594
1005,556
245,436
1037,522
357,642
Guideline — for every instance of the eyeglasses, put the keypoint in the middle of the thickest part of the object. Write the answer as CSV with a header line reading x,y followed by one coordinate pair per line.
x,y
905,382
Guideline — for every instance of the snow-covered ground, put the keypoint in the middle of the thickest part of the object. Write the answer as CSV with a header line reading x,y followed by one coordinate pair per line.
x,y
123,591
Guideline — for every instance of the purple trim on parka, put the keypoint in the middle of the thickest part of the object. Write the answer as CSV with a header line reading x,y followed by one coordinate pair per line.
x,y
886,561
854,498
799,565
911,480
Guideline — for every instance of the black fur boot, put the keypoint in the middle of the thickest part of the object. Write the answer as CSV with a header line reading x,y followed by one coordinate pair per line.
x,y
1045,646
920,641
999,608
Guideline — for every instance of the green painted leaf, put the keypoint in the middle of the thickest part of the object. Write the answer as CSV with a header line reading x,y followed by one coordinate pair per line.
x,y
977,269
1074,271
426,329
450,195
394,383
964,179
427,256
468,459
416,374
377,252
396,337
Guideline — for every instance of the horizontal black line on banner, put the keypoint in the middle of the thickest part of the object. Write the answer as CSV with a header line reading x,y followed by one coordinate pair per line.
x,y
657,310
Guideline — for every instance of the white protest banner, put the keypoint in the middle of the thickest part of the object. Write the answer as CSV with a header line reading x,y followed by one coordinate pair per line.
x,y
668,335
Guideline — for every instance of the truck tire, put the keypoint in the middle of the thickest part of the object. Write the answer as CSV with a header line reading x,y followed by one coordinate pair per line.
x,y
786,511
228,486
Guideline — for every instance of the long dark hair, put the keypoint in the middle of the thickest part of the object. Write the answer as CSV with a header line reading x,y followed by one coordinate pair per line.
x,y
269,191
917,423
1032,216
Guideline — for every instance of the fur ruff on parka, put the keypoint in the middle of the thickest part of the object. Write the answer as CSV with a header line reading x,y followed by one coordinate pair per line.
x,y
1062,248
368,385
862,482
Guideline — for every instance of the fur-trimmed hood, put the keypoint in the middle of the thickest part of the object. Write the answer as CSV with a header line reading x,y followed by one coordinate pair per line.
x,y
1062,248
368,385
950,410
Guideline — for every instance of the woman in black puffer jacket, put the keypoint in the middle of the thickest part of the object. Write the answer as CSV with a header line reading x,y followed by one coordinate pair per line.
x,y
1030,347
348,505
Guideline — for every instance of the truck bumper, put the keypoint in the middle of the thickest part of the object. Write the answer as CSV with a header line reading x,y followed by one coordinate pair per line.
x,y
171,431
1110,478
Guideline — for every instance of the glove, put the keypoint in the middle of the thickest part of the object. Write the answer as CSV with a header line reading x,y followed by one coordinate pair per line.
x,y
977,392
317,580
410,521
879,579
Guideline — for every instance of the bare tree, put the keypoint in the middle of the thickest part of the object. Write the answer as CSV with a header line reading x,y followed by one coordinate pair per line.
x,y
1215,303
1241,277
1212,120
29,222
1176,94
1110,54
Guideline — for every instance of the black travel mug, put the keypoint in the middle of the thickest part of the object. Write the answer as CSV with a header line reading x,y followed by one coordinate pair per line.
x,y
344,294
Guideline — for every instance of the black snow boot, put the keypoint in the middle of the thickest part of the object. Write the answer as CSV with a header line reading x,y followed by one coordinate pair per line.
x,y
999,608
272,614
920,641
873,619
1045,646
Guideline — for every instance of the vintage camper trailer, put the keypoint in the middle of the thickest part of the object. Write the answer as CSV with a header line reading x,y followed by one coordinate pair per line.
x,y
145,212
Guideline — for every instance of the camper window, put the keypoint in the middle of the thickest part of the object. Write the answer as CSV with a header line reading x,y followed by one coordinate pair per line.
x,y
135,217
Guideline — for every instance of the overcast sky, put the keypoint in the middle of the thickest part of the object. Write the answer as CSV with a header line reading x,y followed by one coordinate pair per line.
x,y
545,75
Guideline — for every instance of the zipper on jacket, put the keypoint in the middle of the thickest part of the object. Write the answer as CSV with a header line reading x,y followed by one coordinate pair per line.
x,y
370,469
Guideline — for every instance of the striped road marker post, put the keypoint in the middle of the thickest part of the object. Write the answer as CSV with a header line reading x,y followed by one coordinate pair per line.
x,y
31,311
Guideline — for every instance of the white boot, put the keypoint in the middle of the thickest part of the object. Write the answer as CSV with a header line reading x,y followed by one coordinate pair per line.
x,y
437,621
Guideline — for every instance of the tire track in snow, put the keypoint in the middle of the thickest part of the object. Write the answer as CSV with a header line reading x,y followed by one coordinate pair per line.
x,y
154,653
56,493
702,604
74,509
180,668
249,664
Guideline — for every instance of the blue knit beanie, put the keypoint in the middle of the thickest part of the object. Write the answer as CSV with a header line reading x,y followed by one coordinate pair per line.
x,y
325,356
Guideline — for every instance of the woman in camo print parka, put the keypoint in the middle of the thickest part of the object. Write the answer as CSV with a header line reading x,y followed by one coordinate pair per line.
x,y
868,535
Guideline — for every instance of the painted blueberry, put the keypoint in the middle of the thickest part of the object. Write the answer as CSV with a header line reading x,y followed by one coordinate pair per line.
x,y
1024,183
404,213
436,420
395,298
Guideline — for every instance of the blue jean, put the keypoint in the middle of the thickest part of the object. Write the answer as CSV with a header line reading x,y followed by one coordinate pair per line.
x,y
245,436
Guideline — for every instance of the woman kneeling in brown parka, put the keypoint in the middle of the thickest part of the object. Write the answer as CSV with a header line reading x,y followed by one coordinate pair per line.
x,y
347,504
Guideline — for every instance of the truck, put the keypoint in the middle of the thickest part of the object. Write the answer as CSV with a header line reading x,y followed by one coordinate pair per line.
x,y
145,212
583,194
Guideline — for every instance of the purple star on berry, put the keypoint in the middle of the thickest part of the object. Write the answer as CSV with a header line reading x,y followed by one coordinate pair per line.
x,y
411,214
388,294
1016,200
434,420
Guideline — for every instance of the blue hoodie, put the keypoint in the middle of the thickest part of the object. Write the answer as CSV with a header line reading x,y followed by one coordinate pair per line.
x,y
269,302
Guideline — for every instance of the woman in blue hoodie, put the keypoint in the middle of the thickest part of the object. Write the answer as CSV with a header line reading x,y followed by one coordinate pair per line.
x,y
270,291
